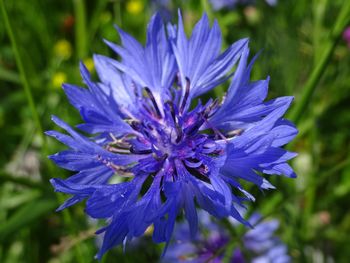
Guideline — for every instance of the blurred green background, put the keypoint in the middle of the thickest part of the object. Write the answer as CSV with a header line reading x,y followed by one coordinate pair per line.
x,y
42,42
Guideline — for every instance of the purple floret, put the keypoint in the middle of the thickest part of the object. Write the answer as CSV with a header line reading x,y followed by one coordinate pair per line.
x,y
258,245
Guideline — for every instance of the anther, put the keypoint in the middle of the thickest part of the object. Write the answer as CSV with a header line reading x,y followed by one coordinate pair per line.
x,y
121,171
176,121
117,150
212,106
234,133
172,110
215,130
135,125
134,151
187,93
160,158
155,105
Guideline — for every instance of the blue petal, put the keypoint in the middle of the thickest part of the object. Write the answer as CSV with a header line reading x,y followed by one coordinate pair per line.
x,y
198,58
190,212
92,150
94,176
114,234
220,186
112,199
97,108
75,161
152,66
70,188
80,192
120,88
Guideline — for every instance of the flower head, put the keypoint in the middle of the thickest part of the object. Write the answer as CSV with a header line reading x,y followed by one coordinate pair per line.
x,y
148,127
259,244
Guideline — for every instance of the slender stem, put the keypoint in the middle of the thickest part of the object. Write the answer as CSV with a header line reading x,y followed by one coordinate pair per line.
x,y
24,80
94,21
19,63
310,192
117,13
28,92
80,28
234,240
315,77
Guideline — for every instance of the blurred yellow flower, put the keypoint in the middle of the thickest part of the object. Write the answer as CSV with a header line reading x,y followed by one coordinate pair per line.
x,y
134,7
58,79
63,49
89,64
252,15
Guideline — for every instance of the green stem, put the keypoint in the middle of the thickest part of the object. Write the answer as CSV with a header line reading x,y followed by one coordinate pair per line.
x,y
118,13
235,235
24,80
19,63
80,28
315,77
28,92
228,225
311,188
94,22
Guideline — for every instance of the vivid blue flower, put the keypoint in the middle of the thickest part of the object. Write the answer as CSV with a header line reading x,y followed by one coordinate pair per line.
x,y
258,245
174,152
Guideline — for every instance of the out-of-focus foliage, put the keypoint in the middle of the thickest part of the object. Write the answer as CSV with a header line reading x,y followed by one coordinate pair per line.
x,y
52,36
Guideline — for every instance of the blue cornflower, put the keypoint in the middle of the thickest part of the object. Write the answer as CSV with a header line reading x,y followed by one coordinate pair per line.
x,y
258,245
148,127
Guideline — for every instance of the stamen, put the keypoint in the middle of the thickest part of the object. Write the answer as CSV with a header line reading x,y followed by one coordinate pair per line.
x,y
136,125
187,93
119,143
196,126
120,170
215,130
133,150
212,106
160,158
117,150
113,138
155,105
176,121
234,133
171,108
199,173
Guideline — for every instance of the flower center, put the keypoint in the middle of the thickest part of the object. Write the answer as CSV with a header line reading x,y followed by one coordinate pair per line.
x,y
173,135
